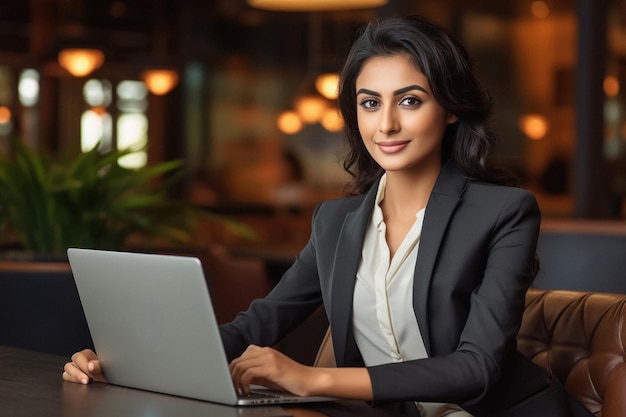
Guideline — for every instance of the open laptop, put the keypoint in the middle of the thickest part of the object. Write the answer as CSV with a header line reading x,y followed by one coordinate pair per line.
x,y
153,326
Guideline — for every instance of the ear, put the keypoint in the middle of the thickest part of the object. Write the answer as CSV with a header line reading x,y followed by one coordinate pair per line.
x,y
452,118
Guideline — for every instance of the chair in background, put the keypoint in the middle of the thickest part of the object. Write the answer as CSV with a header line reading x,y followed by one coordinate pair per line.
x,y
40,308
233,281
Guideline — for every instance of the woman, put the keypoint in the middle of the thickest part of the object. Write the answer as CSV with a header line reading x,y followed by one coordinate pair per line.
x,y
423,271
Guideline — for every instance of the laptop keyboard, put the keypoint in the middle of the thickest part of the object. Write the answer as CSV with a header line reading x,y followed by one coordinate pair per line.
x,y
263,394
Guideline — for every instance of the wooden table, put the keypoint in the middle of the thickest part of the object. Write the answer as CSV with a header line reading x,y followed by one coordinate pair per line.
x,y
31,386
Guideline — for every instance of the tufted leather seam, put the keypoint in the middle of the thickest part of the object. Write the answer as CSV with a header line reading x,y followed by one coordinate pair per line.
x,y
618,310
573,305
592,328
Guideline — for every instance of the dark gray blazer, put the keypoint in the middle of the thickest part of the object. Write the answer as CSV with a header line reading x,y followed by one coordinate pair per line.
x,y
474,266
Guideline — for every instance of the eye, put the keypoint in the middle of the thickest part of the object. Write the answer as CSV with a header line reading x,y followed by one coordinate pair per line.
x,y
411,101
369,103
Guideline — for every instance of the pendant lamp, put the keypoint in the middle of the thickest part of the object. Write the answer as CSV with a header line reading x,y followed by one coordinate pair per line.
x,y
314,5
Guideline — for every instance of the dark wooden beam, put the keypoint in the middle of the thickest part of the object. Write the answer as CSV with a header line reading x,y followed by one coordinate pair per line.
x,y
592,195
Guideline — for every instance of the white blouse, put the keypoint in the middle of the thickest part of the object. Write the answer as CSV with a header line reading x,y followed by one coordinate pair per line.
x,y
384,323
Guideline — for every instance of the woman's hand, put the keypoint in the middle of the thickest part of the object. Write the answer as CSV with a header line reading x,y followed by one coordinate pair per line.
x,y
84,368
268,367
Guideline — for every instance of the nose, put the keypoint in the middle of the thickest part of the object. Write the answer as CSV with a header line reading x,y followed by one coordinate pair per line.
x,y
389,123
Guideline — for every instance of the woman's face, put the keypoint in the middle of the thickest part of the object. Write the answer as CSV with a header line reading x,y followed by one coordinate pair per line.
x,y
400,122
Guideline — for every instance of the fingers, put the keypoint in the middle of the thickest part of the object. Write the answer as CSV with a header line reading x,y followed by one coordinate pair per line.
x,y
83,368
72,373
251,367
266,366
86,360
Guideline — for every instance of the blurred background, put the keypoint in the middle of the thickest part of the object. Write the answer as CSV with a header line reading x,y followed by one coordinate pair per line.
x,y
241,91
236,92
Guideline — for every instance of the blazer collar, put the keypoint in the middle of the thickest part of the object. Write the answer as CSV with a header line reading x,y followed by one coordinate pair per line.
x,y
445,195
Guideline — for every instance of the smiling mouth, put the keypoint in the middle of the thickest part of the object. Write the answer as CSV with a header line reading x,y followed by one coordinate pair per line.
x,y
392,146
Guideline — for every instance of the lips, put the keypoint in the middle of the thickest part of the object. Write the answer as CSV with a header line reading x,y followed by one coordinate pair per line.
x,y
392,146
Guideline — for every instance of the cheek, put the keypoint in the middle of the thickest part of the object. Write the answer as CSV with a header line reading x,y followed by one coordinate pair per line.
x,y
428,123
364,124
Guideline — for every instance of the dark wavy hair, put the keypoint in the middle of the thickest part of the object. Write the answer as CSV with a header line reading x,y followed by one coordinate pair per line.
x,y
469,142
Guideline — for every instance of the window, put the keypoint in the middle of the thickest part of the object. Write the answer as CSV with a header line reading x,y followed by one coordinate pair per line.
x,y
131,126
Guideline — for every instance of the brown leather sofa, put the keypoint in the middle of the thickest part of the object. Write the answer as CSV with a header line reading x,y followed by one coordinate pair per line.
x,y
581,338
578,336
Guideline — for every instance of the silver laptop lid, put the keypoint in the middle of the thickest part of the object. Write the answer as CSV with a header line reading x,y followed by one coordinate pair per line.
x,y
152,323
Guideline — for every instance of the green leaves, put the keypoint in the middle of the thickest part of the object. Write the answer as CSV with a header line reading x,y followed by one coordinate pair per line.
x,y
89,201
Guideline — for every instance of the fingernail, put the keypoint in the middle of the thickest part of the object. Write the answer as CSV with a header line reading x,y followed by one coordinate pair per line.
x,y
84,381
239,391
90,366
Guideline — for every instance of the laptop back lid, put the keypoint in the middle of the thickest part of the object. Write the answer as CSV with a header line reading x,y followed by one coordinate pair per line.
x,y
152,323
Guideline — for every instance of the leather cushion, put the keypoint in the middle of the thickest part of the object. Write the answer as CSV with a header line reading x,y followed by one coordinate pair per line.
x,y
581,338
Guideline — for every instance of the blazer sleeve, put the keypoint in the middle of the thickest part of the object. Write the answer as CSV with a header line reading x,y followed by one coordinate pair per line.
x,y
499,265
300,291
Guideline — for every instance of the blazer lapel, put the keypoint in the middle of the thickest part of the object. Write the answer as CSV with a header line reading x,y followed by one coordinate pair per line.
x,y
443,200
346,263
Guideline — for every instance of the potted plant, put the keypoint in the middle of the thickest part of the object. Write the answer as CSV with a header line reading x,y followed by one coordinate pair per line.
x,y
48,204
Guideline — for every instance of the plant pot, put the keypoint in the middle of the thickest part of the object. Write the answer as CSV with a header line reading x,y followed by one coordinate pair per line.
x,y
40,308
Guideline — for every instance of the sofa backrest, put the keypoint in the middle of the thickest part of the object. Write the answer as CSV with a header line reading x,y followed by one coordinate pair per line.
x,y
582,256
581,338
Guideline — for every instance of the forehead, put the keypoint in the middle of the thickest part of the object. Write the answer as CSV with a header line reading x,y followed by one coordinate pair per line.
x,y
391,70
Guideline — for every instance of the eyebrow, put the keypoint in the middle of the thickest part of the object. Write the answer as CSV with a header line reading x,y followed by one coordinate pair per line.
x,y
395,93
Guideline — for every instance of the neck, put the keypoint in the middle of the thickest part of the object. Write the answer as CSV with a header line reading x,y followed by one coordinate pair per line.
x,y
407,193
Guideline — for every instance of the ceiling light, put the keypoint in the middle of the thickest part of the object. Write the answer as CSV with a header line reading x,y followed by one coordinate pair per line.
x,y
611,86
535,126
289,122
326,85
5,115
332,121
160,81
80,61
310,108
314,5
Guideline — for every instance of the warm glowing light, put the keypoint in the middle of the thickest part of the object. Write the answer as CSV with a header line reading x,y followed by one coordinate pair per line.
x,y
310,108
315,5
535,126
99,110
160,81
611,86
540,9
79,61
332,120
5,115
289,123
326,85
